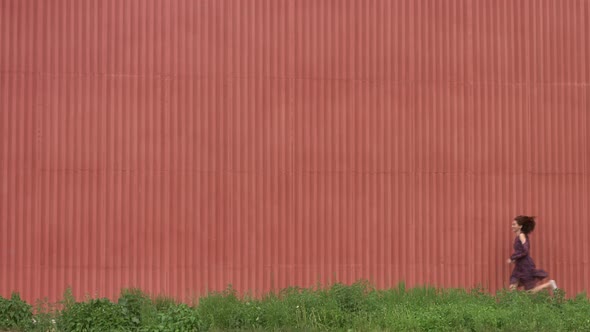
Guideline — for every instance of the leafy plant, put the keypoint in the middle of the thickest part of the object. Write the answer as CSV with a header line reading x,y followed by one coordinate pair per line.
x,y
94,315
15,314
137,308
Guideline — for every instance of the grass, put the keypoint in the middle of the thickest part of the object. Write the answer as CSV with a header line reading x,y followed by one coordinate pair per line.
x,y
357,307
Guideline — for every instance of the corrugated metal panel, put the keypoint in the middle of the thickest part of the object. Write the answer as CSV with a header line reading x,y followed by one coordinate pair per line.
x,y
179,146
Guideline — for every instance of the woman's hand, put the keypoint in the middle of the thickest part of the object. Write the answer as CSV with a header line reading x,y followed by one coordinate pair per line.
x,y
509,261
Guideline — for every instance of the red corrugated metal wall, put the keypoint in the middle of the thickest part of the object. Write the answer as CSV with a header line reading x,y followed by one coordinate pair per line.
x,y
180,146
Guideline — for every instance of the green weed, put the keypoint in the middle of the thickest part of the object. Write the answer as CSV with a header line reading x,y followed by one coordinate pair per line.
x,y
339,307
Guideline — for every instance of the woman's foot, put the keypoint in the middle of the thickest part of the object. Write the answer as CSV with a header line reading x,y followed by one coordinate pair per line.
x,y
553,284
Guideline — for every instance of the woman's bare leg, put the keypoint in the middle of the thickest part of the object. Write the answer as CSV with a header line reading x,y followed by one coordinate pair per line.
x,y
549,284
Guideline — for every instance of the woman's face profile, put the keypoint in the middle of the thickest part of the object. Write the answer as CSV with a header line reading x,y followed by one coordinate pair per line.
x,y
515,226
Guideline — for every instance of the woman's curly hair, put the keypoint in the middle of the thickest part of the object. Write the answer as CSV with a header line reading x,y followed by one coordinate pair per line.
x,y
527,223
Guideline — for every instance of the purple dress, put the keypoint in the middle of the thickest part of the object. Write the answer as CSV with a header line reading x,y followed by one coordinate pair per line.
x,y
525,272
